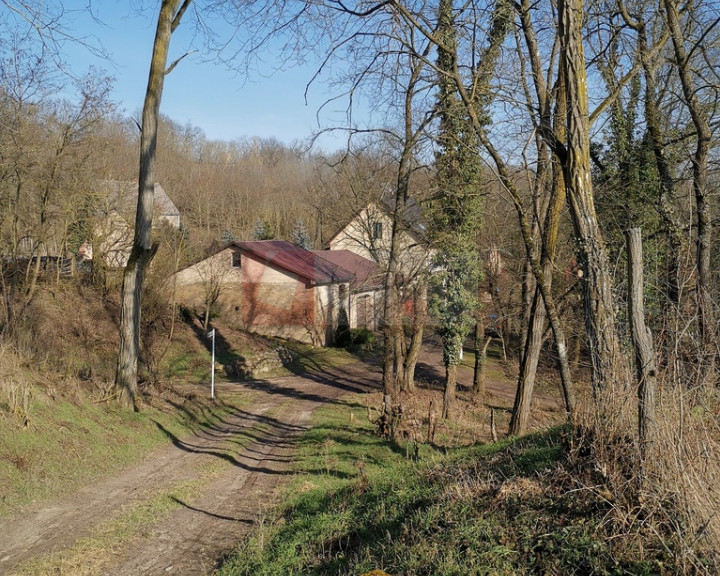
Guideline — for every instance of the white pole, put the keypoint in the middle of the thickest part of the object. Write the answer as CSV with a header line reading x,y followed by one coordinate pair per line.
x,y
211,334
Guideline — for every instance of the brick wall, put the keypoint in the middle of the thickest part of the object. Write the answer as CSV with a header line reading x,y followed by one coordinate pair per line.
x,y
277,303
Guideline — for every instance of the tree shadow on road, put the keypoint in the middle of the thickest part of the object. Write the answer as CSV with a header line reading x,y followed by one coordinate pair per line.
x,y
267,440
342,380
211,514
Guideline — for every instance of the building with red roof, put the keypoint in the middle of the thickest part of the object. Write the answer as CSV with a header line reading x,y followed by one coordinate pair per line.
x,y
274,288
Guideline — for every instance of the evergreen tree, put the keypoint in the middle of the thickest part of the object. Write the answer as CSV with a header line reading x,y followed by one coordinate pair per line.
x,y
227,237
263,230
301,237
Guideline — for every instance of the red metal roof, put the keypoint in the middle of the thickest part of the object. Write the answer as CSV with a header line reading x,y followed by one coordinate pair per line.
x,y
366,273
287,256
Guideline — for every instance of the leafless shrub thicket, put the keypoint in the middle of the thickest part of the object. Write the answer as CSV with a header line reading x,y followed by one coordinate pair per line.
x,y
671,497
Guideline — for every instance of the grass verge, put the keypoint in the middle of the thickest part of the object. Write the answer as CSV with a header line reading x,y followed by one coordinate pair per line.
x,y
69,442
513,507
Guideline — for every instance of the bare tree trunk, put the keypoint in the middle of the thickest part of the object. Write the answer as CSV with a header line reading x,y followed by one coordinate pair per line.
x,y
645,366
400,348
142,252
481,346
449,397
667,185
389,320
5,327
528,289
528,367
418,329
206,318
539,309
707,325
174,302
32,286
393,360
608,364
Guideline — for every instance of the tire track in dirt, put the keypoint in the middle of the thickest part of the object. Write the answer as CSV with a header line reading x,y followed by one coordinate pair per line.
x,y
194,536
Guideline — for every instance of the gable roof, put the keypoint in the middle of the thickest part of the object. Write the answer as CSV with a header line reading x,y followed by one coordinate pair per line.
x,y
411,219
285,255
121,196
366,273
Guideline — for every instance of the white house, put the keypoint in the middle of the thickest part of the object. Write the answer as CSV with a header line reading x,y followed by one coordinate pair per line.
x,y
117,206
369,235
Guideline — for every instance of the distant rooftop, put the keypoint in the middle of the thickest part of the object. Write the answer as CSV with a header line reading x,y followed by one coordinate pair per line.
x,y
121,196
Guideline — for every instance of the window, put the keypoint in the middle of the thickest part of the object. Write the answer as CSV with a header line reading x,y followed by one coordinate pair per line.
x,y
236,259
377,230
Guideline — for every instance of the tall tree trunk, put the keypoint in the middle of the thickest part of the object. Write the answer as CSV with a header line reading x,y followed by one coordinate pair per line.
x,y
142,252
481,343
389,320
706,315
670,221
394,357
528,367
400,346
608,364
416,338
449,397
528,288
539,310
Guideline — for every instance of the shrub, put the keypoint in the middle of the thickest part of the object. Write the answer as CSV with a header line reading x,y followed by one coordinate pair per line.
x,y
363,338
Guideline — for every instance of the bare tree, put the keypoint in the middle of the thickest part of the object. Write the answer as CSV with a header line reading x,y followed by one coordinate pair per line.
x,y
645,365
171,13
693,84
213,272
47,148
549,183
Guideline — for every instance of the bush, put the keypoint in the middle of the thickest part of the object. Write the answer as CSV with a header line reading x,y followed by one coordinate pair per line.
x,y
363,338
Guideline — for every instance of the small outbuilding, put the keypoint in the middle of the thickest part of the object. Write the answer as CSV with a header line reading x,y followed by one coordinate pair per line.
x,y
291,292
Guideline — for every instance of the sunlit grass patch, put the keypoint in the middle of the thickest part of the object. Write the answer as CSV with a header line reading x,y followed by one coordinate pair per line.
x,y
360,503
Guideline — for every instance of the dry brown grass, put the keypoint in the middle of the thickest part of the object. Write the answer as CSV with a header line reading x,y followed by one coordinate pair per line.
x,y
16,387
472,421
672,498
684,472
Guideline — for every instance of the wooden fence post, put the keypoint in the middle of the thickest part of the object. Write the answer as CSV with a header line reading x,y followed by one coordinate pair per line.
x,y
645,366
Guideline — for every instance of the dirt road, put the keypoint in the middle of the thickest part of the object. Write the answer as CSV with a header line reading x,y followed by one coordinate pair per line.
x,y
197,531
226,476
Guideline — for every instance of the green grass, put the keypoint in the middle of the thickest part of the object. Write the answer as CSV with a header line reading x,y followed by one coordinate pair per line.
x,y
69,443
313,359
359,504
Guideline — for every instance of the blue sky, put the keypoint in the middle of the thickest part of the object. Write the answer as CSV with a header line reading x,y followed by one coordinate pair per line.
x,y
204,94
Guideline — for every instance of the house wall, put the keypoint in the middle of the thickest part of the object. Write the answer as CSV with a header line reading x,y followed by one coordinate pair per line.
x,y
192,282
365,308
278,303
359,236
113,237
219,266
172,219
332,301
